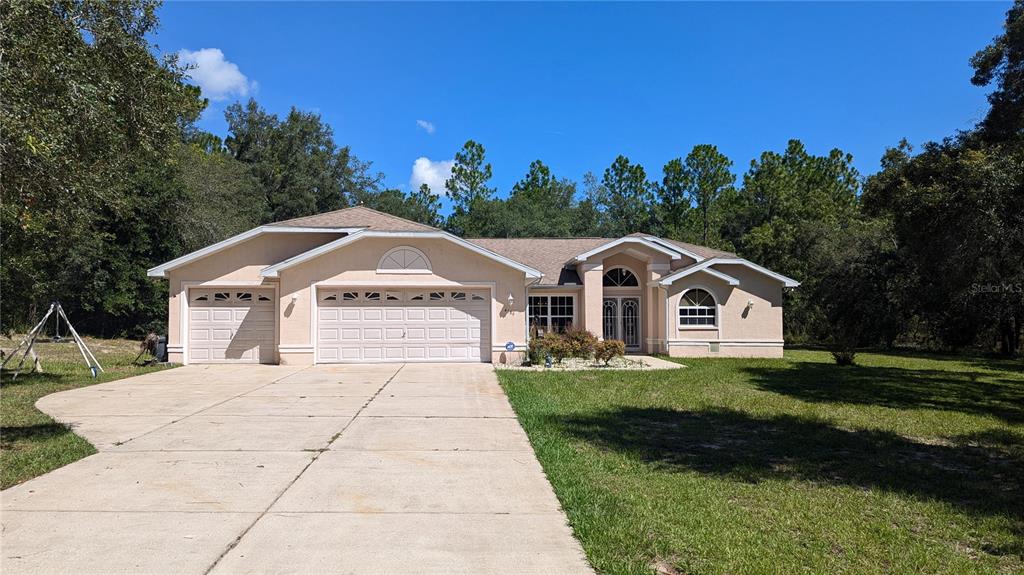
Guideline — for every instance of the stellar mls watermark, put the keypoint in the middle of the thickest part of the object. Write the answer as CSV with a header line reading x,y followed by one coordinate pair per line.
x,y
997,288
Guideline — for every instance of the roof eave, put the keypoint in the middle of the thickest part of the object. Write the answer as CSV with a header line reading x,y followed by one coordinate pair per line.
x,y
161,270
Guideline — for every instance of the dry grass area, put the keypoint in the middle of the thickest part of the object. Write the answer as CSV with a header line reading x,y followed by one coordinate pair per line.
x,y
32,443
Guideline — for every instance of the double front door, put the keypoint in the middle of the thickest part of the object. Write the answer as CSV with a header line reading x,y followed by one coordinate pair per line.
x,y
621,319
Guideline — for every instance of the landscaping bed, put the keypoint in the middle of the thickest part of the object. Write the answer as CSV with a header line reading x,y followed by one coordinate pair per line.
x,y
900,464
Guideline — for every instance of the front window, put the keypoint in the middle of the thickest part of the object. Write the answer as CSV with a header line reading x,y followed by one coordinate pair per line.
x,y
697,308
550,313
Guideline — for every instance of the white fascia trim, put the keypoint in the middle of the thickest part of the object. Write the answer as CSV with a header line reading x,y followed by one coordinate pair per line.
x,y
274,270
674,253
694,269
704,265
161,270
657,240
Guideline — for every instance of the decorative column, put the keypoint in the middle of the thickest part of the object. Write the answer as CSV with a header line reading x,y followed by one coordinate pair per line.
x,y
592,275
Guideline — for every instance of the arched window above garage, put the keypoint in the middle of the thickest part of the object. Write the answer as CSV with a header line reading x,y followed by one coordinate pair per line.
x,y
404,259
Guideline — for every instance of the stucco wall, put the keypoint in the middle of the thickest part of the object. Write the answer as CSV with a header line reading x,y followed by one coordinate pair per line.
x,y
239,263
742,331
356,265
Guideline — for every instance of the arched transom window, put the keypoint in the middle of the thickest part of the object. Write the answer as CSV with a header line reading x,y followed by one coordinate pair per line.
x,y
697,308
620,277
404,259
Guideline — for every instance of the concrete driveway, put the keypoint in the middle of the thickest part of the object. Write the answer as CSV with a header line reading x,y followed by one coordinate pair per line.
x,y
416,468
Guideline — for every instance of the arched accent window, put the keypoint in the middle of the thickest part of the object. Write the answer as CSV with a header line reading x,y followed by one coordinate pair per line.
x,y
404,259
697,307
620,277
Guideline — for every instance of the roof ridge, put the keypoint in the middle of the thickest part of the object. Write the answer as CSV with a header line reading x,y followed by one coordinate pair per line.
x,y
349,209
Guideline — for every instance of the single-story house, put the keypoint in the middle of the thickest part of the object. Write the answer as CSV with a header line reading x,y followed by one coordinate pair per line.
x,y
358,285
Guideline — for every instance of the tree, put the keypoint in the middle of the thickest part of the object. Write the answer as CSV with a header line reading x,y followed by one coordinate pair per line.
x,y
420,206
299,166
472,202
87,107
1002,62
790,205
624,198
957,211
697,183
542,205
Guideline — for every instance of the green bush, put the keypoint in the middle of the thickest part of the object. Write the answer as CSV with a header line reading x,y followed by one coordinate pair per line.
x,y
581,342
609,349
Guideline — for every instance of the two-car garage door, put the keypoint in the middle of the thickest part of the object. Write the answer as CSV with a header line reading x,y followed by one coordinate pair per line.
x,y
381,325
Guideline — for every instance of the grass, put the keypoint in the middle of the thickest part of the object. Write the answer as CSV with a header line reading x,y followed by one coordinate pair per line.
x,y
32,443
902,464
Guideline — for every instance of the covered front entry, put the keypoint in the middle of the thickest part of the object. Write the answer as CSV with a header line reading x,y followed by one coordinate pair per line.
x,y
399,325
231,325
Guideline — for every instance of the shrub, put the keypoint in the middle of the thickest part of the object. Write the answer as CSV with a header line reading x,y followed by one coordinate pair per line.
x,y
845,356
609,349
580,341
557,345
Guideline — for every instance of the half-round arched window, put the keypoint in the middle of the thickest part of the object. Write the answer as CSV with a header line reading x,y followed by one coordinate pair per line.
x,y
697,308
404,259
620,277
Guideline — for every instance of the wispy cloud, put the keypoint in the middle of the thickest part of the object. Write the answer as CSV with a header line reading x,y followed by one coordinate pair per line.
x,y
426,126
431,173
218,78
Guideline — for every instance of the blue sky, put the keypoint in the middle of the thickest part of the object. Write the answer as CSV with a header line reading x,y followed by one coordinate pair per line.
x,y
577,84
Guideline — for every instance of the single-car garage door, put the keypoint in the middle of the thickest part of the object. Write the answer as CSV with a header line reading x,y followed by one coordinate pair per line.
x,y
231,325
380,325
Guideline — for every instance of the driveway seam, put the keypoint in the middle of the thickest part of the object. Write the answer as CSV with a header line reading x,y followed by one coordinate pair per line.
x,y
316,456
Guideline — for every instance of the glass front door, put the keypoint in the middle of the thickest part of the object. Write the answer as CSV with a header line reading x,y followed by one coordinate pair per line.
x,y
621,320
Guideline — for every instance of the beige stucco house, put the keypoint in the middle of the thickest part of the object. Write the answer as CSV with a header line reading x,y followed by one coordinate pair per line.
x,y
357,285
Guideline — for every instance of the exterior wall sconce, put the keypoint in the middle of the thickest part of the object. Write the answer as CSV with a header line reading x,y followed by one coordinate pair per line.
x,y
511,300
295,297
750,303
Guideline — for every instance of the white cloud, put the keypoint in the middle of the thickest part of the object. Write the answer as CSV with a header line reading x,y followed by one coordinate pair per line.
x,y
427,127
433,174
216,77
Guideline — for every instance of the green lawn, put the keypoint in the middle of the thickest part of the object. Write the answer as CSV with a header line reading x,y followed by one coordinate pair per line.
x,y
31,443
899,465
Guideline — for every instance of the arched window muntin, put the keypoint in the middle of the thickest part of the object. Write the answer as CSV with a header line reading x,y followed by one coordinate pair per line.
x,y
698,309
620,277
404,260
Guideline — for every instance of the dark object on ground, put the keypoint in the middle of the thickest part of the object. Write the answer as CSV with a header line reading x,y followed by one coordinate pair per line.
x,y
844,356
154,345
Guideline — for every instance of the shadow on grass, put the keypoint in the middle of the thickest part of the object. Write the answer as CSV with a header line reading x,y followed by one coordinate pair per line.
x,y
966,392
745,448
38,432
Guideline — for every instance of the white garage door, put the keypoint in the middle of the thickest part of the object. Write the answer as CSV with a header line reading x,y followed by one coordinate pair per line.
x,y
230,325
379,325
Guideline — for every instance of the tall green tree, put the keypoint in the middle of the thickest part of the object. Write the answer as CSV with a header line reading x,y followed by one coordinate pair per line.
x,y
1002,63
791,205
473,205
542,205
625,199
86,108
420,206
695,184
296,160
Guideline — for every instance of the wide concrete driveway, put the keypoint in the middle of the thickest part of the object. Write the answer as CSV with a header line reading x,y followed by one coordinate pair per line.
x,y
269,469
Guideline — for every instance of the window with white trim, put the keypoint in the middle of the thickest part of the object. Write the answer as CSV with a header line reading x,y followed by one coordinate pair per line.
x,y
551,313
697,308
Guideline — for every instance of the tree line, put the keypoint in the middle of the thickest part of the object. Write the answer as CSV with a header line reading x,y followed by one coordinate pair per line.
x,y
105,174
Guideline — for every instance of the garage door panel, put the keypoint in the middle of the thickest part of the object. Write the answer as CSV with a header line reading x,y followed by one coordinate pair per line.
x,y
231,325
448,326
